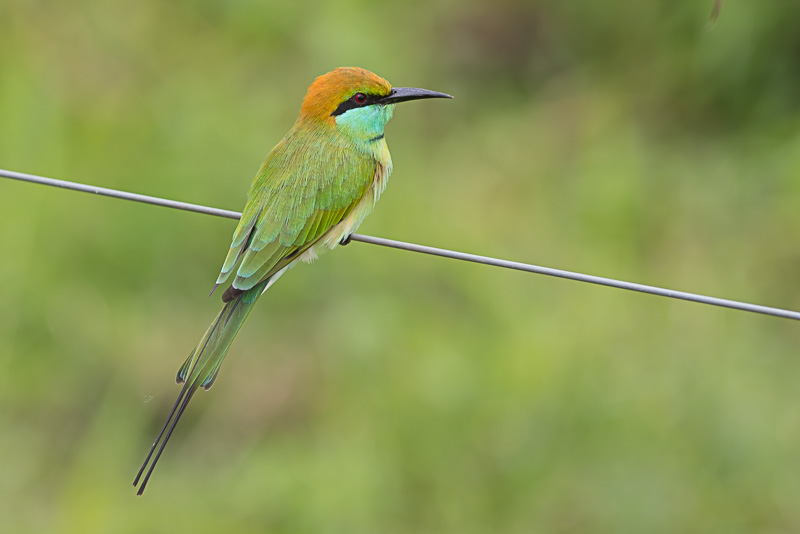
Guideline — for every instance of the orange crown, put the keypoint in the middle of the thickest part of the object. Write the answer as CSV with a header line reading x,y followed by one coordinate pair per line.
x,y
333,88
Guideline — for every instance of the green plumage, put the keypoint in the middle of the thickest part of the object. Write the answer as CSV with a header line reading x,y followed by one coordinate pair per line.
x,y
314,189
310,182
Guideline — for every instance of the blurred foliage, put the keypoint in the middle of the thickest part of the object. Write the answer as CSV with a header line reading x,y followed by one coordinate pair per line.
x,y
381,391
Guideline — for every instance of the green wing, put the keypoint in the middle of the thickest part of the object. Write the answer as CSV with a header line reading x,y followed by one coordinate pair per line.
x,y
307,185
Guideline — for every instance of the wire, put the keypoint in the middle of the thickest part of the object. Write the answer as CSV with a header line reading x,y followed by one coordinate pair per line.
x,y
119,194
485,260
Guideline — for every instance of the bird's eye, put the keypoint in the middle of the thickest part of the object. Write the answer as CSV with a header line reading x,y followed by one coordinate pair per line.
x,y
360,98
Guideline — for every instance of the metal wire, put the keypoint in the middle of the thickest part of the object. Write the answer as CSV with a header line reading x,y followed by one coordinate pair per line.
x,y
609,282
118,194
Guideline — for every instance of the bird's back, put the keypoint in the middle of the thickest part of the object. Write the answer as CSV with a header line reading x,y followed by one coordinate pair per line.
x,y
311,182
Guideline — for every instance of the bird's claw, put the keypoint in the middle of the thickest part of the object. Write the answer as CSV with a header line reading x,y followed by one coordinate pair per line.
x,y
346,240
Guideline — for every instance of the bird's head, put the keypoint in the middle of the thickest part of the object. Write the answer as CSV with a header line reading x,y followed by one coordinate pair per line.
x,y
357,102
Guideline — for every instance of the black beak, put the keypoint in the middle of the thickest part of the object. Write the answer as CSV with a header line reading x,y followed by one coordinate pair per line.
x,y
402,94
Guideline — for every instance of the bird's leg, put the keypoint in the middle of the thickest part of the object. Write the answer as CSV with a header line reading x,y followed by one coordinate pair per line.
x,y
346,240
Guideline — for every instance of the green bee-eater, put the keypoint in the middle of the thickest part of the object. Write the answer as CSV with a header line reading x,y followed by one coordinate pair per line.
x,y
310,194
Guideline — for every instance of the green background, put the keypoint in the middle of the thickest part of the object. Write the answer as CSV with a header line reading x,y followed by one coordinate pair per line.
x,y
380,391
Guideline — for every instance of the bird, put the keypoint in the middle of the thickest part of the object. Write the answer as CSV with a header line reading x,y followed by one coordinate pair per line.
x,y
312,191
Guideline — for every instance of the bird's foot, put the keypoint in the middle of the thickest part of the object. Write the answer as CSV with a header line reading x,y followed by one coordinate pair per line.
x,y
346,240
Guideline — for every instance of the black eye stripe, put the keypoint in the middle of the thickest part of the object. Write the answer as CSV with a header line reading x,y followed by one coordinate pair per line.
x,y
351,103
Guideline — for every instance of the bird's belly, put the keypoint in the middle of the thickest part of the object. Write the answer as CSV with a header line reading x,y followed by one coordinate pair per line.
x,y
353,220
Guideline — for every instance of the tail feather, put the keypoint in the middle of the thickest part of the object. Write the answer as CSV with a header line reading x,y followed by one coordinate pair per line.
x,y
200,370
183,372
208,382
